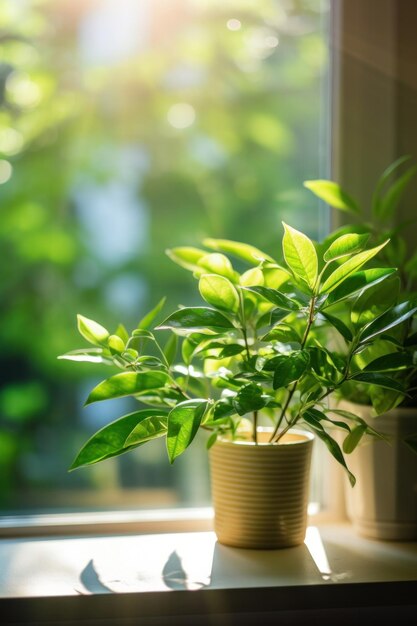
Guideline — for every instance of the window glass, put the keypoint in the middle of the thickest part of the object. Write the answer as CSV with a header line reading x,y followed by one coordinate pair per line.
x,y
127,127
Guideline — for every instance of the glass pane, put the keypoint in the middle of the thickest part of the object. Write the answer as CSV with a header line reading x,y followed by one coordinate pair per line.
x,y
128,127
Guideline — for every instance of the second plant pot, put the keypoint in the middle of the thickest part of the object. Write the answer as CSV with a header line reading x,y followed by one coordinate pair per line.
x,y
383,503
260,491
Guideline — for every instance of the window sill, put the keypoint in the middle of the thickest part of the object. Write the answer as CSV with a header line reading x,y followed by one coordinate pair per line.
x,y
335,575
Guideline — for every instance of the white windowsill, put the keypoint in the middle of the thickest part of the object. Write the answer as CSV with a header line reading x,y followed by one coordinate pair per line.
x,y
83,577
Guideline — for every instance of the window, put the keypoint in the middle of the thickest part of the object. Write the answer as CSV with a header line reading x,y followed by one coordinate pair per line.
x,y
126,127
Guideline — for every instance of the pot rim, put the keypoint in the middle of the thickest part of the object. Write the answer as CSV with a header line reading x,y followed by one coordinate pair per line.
x,y
307,437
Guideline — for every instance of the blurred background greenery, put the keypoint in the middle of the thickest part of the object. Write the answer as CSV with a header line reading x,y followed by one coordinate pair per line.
x,y
126,127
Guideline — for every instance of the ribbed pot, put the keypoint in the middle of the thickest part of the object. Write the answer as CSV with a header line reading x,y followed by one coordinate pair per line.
x,y
260,491
383,503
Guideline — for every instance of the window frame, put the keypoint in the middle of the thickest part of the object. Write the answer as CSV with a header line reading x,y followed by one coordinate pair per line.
x,y
371,49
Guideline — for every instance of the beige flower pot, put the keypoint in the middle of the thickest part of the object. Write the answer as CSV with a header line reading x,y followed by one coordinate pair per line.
x,y
260,491
383,503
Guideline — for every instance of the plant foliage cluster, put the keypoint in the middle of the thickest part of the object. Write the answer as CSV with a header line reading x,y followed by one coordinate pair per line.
x,y
260,345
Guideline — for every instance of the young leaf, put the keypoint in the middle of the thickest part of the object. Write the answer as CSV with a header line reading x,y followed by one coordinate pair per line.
x,y
249,398
92,331
183,423
242,251
110,440
219,292
252,277
186,257
116,344
300,255
276,297
127,384
332,194
88,355
348,268
357,282
344,245
216,263
397,315
197,318
147,321
122,333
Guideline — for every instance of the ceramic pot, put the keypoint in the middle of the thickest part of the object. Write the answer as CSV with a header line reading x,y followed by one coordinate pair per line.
x,y
260,491
383,503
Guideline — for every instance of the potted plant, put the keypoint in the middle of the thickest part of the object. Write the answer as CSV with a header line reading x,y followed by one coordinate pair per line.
x,y
253,368
384,503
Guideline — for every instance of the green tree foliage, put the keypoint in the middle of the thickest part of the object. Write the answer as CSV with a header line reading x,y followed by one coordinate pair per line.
x,y
204,121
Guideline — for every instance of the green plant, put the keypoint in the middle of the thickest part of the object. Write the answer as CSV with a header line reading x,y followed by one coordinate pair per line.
x,y
396,352
260,347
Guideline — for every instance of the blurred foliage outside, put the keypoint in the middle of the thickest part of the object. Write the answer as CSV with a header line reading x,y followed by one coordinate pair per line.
x,y
126,127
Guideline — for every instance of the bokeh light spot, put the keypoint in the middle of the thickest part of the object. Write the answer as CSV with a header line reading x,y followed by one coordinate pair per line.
x,y
181,115
6,171
234,24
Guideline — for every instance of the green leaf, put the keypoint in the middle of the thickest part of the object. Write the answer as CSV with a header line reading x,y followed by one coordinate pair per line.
x,y
348,268
110,440
150,427
353,438
122,333
116,345
330,443
147,321
186,257
211,440
219,292
373,302
389,203
333,195
224,408
287,368
300,255
390,362
339,325
249,398
127,384
197,318
89,355
242,251
276,297
218,264
277,315
374,378
376,199
397,315
252,277
358,281
170,348
411,442
283,333
344,245
183,423
92,331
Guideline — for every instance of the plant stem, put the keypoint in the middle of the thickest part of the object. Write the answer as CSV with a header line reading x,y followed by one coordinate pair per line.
x,y
255,426
275,437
